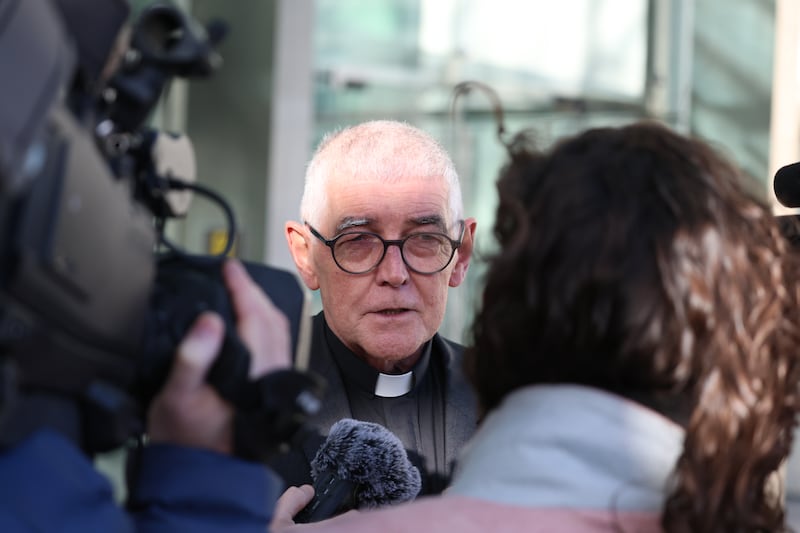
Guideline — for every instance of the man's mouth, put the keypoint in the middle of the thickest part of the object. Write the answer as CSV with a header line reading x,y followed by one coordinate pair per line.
x,y
390,312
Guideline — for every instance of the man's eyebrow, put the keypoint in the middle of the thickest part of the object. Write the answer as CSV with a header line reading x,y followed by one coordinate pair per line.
x,y
436,220
351,222
424,220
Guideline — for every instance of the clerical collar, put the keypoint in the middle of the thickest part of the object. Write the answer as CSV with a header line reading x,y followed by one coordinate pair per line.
x,y
357,373
392,386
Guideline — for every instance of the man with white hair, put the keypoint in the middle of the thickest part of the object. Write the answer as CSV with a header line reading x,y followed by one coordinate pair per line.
x,y
382,238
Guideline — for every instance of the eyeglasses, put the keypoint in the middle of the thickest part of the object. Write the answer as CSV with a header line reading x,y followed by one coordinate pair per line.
x,y
359,252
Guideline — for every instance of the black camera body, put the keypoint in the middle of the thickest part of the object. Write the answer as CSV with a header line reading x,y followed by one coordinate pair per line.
x,y
90,311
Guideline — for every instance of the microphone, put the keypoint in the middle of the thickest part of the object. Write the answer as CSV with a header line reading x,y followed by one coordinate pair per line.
x,y
787,185
361,465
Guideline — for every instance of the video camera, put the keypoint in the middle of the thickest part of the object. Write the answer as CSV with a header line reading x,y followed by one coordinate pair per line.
x,y
93,297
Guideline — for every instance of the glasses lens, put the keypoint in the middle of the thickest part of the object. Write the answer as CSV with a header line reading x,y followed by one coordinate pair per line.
x,y
427,252
357,252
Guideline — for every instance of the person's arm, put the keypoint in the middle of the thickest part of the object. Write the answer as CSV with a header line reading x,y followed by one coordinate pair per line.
x,y
192,489
48,484
187,481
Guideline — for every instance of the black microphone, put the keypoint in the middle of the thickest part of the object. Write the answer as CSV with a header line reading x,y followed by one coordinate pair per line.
x,y
361,465
787,185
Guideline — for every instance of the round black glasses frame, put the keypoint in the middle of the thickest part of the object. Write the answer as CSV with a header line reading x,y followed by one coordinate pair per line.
x,y
400,243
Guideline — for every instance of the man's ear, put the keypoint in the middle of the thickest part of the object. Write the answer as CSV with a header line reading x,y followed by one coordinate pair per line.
x,y
300,248
464,253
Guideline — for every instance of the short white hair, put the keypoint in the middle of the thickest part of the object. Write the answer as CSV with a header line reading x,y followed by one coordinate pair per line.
x,y
381,149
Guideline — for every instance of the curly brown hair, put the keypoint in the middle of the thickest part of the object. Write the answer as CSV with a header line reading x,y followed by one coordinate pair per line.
x,y
639,261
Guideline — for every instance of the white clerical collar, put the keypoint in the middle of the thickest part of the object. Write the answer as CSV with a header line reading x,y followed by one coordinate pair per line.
x,y
392,386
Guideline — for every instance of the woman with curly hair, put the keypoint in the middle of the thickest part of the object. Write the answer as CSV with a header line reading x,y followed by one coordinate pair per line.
x,y
636,350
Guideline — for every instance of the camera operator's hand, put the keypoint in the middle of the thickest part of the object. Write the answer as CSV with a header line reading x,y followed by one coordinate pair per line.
x,y
188,411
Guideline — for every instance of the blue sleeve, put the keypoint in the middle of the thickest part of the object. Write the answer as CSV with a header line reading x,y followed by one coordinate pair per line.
x,y
199,491
47,484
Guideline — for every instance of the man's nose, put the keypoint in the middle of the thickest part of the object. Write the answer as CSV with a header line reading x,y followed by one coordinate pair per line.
x,y
392,269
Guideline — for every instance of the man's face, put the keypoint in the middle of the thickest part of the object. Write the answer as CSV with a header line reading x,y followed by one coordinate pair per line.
x,y
387,314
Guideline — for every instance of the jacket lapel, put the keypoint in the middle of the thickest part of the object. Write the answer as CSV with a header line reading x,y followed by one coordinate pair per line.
x,y
334,398
460,406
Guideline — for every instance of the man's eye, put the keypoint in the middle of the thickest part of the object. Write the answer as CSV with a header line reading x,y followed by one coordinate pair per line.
x,y
357,238
432,239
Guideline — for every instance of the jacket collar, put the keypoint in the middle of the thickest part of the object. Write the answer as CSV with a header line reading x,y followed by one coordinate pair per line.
x,y
570,446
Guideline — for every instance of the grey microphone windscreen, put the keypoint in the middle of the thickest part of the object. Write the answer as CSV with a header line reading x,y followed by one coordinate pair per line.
x,y
373,458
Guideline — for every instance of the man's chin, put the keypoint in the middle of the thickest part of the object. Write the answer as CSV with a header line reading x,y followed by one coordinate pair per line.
x,y
395,356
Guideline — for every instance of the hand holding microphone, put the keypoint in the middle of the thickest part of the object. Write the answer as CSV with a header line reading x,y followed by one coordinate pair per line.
x,y
361,465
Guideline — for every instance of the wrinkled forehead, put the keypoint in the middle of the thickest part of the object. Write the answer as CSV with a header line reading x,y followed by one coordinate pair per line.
x,y
384,197
393,175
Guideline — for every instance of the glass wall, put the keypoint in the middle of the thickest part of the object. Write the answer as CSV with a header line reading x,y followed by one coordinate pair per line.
x,y
732,79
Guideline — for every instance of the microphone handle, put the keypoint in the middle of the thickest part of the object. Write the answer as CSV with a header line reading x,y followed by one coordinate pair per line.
x,y
332,496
